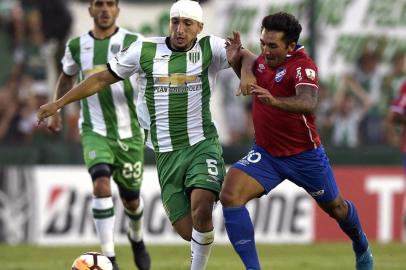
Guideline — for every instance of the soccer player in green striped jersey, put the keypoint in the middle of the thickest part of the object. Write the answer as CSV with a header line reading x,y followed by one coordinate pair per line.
x,y
112,140
176,77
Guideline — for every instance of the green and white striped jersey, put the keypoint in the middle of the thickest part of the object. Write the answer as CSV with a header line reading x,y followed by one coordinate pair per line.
x,y
174,89
111,112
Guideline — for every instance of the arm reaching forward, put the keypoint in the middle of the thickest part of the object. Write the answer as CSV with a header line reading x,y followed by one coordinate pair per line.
x,y
242,61
86,88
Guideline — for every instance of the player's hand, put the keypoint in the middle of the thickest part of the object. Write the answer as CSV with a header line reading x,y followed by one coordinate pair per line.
x,y
263,95
233,47
247,80
55,123
46,110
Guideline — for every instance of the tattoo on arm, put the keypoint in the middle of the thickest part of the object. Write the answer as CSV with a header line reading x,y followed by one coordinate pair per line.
x,y
305,100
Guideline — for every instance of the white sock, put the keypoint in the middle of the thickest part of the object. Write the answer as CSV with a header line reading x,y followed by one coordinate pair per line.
x,y
201,245
104,218
135,224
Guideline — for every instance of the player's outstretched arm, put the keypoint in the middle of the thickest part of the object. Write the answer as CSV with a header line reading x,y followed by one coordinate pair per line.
x,y
88,87
247,77
242,61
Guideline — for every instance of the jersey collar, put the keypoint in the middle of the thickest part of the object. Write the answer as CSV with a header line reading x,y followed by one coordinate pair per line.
x,y
168,44
298,49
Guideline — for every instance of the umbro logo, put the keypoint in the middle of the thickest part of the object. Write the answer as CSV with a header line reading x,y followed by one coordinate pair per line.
x,y
162,58
242,242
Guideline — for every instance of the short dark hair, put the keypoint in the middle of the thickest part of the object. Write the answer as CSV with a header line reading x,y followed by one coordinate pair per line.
x,y
283,22
91,2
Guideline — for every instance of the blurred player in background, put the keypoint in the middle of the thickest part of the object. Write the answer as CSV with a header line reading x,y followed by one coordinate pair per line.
x,y
397,115
176,79
112,140
287,145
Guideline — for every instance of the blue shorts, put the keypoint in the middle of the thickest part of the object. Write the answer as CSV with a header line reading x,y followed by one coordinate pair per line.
x,y
310,170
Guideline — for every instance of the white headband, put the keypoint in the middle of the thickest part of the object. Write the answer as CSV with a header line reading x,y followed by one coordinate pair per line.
x,y
187,9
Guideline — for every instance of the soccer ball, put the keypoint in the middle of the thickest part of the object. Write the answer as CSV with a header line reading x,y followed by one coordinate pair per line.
x,y
92,261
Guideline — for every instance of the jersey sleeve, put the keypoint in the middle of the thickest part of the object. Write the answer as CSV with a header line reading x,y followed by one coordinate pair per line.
x,y
69,66
218,46
126,62
305,73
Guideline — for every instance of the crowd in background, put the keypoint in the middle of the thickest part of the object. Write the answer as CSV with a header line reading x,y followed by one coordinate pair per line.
x,y
34,34
350,114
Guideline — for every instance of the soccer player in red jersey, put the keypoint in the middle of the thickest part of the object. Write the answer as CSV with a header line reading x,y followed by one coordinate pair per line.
x,y
287,145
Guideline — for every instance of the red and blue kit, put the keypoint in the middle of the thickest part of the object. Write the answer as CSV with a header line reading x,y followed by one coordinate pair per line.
x,y
287,145
280,132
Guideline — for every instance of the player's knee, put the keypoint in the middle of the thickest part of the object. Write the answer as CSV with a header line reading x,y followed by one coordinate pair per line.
x,y
228,198
101,187
338,211
131,205
202,212
130,199
100,171
100,174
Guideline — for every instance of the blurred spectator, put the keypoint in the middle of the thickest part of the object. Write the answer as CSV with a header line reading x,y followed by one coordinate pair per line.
x,y
365,80
56,22
396,76
236,109
8,113
391,84
324,112
350,106
11,36
18,112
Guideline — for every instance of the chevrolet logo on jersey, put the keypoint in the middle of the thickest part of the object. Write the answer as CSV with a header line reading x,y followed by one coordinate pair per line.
x,y
177,79
94,70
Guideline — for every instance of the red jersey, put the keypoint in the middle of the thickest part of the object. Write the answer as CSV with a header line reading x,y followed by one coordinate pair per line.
x,y
280,132
399,106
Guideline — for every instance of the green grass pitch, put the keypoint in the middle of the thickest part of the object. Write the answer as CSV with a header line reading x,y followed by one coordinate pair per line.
x,y
331,256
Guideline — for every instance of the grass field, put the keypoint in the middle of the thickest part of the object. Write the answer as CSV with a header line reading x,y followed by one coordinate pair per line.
x,y
337,256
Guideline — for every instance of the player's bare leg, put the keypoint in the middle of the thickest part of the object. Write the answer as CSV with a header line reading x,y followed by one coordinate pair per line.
x,y
197,227
345,213
202,202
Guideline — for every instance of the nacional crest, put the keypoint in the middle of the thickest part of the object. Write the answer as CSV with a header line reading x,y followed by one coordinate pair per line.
x,y
115,48
280,73
194,56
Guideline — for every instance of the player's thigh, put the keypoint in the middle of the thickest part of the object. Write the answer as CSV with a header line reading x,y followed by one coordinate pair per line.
x,y
96,149
128,166
206,168
260,166
172,168
312,171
